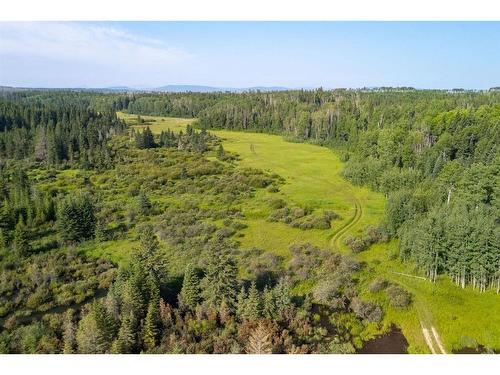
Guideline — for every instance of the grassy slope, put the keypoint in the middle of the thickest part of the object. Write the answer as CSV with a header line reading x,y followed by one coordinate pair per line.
x,y
313,179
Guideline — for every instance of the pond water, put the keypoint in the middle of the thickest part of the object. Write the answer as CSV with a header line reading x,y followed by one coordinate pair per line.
x,y
392,342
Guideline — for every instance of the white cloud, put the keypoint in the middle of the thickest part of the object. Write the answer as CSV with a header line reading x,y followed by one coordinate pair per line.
x,y
94,45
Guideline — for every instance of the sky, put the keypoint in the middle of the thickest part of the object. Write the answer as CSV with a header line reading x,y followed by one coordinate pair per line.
x,y
247,54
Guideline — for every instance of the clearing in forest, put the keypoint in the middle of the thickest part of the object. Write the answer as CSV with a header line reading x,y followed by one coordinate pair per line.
x,y
313,180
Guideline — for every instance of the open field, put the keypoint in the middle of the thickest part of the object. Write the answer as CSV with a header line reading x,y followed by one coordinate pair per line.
x,y
312,174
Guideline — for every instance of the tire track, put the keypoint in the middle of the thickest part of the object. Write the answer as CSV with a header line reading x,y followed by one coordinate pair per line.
x,y
358,212
431,336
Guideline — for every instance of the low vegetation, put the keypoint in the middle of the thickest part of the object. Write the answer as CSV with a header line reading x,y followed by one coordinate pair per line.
x,y
128,233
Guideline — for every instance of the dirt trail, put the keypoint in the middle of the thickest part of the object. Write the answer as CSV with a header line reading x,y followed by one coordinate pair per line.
x,y
438,340
428,338
358,212
433,340
407,274
430,333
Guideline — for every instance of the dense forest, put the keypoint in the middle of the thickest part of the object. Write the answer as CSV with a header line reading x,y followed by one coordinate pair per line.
x,y
117,240
433,153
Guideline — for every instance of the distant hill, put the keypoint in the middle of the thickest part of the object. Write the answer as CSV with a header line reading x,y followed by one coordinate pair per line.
x,y
197,88
166,88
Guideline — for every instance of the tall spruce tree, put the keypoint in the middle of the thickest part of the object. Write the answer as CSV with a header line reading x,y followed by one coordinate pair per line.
x,y
253,303
21,240
220,280
143,203
76,218
126,342
190,293
151,329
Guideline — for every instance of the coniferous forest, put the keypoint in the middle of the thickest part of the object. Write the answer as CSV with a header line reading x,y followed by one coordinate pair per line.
x,y
116,238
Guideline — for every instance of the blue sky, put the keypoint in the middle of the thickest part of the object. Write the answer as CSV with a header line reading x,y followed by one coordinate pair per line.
x,y
245,54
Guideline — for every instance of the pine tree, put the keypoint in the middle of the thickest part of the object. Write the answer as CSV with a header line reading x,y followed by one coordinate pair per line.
x,y
21,239
224,312
220,279
6,221
241,304
282,297
149,256
106,325
253,305
126,341
260,340
134,294
76,219
143,203
190,292
269,304
145,139
41,145
3,240
220,152
150,331
88,335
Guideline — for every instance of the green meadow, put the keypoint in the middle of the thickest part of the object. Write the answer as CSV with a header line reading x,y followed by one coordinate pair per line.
x,y
313,179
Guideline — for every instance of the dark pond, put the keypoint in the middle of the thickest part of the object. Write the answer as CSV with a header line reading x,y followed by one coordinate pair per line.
x,y
393,342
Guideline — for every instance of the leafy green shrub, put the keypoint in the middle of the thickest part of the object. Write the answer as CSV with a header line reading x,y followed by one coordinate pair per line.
x,y
368,310
277,203
356,244
377,285
398,297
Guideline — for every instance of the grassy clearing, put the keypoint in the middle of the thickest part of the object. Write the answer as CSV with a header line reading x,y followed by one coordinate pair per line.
x,y
312,173
157,124
117,251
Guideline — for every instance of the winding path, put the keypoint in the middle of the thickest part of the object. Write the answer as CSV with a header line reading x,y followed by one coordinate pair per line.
x,y
337,236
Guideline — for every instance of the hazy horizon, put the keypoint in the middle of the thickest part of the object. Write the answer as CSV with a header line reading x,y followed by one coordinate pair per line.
x,y
239,55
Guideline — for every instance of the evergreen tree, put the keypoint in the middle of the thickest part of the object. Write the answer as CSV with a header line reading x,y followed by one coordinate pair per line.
x,y
126,341
241,303
96,330
149,256
41,145
260,340
269,309
3,240
253,304
5,218
143,203
145,139
220,279
21,239
88,336
190,292
282,297
76,219
150,332
220,152
135,294
149,141
106,325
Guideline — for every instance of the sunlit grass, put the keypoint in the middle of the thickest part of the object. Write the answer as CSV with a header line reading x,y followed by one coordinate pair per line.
x,y
313,179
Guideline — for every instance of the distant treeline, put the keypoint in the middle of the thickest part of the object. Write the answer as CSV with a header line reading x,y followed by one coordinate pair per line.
x,y
57,128
433,153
